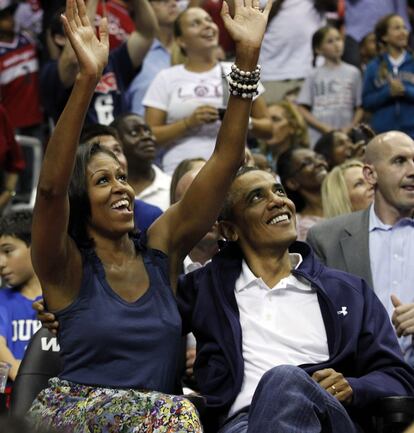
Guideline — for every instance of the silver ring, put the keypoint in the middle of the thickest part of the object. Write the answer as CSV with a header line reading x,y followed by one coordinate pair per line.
x,y
334,388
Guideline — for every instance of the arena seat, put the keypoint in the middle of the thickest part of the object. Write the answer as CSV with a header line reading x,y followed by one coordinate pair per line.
x,y
42,361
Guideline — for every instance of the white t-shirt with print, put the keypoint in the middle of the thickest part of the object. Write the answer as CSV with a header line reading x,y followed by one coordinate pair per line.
x,y
333,93
179,92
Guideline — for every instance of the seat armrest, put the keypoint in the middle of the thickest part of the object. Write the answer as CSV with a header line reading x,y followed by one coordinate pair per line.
x,y
393,414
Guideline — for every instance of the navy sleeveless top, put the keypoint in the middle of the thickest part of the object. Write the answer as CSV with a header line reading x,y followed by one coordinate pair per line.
x,y
109,342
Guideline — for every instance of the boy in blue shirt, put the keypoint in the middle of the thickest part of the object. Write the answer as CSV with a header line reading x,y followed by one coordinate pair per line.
x,y
17,318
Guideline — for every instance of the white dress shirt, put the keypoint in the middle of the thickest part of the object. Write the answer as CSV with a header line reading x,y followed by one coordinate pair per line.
x,y
158,193
391,253
280,325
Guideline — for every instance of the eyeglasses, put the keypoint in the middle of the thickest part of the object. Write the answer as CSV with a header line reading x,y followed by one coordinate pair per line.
x,y
310,162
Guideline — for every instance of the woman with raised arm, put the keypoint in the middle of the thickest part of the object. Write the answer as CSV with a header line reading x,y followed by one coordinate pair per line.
x,y
112,290
184,104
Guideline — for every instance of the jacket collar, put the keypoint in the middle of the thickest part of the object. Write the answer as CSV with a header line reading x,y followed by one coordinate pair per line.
x,y
227,265
229,260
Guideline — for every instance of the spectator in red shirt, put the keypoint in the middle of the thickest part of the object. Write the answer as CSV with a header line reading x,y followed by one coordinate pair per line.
x,y
19,71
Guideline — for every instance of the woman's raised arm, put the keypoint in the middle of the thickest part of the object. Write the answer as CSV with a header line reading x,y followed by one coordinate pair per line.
x,y
181,226
55,256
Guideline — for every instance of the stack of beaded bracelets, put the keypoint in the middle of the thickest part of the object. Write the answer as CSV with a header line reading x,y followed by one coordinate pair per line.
x,y
244,83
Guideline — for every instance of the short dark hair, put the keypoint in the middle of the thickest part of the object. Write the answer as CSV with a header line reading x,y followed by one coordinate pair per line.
x,y
80,209
96,130
325,146
226,212
284,170
17,224
116,123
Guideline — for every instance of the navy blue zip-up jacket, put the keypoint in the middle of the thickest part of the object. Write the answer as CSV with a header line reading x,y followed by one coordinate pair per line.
x,y
362,344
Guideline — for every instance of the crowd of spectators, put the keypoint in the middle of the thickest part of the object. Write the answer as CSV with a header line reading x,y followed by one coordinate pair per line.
x,y
331,122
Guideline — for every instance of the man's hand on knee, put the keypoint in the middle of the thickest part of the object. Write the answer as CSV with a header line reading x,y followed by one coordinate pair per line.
x,y
334,383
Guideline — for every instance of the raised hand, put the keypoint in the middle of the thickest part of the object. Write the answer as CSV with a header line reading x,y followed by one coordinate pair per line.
x,y
91,51
248,24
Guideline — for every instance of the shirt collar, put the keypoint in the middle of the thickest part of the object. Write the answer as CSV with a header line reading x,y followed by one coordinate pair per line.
x,y
376,224
247,278
398,61
157,44
162,181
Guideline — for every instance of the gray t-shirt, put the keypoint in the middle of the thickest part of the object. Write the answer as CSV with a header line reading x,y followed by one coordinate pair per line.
x,y
333,93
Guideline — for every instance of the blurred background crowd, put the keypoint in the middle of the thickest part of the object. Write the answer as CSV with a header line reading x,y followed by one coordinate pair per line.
x,y
334,73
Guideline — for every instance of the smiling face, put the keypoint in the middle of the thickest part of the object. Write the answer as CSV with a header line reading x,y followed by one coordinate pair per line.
x,y
391,171
15,262
111,198
262,214
308,169
198,31
361,193
137,139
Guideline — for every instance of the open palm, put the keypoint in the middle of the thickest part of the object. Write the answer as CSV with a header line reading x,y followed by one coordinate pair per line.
x,y
91,52
248,25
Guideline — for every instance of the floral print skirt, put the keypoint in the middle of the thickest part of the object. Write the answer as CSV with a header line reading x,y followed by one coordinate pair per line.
x,y
74,408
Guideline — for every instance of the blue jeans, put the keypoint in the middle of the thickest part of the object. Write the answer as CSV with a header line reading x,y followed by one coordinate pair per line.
x,y
288,400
